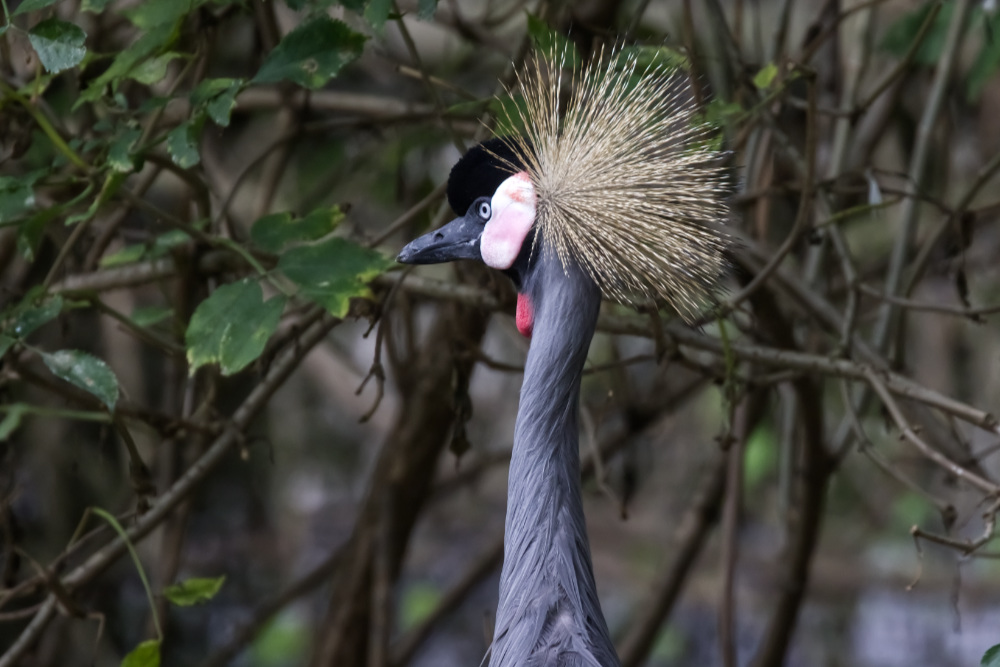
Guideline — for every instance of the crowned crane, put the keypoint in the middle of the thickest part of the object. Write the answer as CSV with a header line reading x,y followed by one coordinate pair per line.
x,y
616,192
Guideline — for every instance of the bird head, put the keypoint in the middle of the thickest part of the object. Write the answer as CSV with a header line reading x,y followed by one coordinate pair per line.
x,y
617,176
495,202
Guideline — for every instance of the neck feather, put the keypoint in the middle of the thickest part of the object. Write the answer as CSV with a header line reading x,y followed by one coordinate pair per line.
x,y
548,609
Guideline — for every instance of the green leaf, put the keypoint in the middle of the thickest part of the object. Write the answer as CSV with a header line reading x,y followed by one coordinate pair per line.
x,y
95,6
146,654
17,196
332,271
30,316
12,420
991,658
194,591
59,44
419,601
159,247
120,156
232,326
274,232
144,47
218,97
312,53
548,41
6,342
150,315
152,13
32,5
900,35
987,62
376,13
86,372
153,70
426,9
182,143
765,77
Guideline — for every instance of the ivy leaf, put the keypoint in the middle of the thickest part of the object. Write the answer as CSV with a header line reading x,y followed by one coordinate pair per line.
x,y
146,654
86,372
59,44
332,271
991,658
194,591
312,54
232,326
12,420
32,5
182,143
274,232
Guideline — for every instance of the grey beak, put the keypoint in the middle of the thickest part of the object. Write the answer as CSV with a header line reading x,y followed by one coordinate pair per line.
x,y
459,239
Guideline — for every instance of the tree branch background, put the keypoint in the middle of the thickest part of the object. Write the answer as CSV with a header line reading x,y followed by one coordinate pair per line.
x,y
233,432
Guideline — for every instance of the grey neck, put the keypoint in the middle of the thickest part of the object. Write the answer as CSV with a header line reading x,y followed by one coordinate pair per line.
x,y
548,612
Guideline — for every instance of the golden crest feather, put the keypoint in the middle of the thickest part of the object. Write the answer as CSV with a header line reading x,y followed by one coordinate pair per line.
x,y
625,178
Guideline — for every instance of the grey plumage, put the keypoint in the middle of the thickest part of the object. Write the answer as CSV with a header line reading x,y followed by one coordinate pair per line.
x,y
548,612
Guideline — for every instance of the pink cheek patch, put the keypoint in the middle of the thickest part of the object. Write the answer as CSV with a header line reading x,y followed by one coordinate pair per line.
x,y
524,316
513,208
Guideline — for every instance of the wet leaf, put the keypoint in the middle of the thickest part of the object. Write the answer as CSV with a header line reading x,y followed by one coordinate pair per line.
x,y
194,591
232,326
59,44
332,271
86,372
991,658
312,54
146,654
274,232
29,317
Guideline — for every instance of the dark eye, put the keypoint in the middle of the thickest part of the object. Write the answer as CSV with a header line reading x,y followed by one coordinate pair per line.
x,y
484,210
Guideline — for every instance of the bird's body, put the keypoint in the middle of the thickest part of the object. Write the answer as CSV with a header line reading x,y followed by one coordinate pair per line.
x,y
552,211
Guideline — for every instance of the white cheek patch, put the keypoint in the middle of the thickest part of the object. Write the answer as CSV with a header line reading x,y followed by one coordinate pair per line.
x,y
513,208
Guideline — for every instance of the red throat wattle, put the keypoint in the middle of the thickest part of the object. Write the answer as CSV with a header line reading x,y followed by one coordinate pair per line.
x,y
524,316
